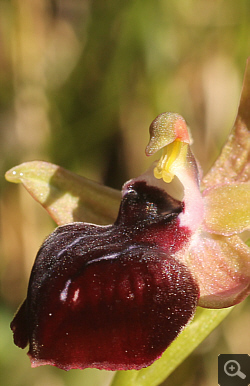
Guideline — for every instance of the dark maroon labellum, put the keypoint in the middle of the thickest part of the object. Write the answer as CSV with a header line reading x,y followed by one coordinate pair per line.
x,y
111,297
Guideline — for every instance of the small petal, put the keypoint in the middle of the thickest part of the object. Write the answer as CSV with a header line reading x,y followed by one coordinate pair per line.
x,y
227,208
66,196
221,266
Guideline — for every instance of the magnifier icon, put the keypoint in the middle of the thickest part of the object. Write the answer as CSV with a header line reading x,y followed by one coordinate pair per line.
x,y
234,368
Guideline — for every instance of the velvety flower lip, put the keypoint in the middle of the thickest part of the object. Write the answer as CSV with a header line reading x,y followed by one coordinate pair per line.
x,y
110,297
115,296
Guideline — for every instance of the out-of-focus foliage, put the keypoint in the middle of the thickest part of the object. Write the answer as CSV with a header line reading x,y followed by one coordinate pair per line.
x,y
80,83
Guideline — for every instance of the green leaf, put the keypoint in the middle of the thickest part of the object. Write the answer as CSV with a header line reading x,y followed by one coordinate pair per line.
x,y
66,196
204,322
233,163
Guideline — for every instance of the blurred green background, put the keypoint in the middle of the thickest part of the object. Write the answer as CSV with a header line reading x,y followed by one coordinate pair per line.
x,y
81,81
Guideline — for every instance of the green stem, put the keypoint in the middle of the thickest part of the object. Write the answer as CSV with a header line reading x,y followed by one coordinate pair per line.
x,y
125,378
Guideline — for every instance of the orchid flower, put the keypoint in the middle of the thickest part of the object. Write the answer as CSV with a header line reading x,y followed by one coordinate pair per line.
x,y
114,296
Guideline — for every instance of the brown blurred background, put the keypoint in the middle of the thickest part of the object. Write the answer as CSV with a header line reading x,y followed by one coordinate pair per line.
x,y
81,81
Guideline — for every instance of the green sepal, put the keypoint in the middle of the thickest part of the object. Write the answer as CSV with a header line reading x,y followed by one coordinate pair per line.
x,y
66,196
